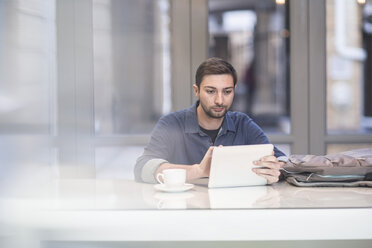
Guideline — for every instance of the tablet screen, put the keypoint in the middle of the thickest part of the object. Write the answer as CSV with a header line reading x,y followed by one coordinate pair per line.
x,y
231,166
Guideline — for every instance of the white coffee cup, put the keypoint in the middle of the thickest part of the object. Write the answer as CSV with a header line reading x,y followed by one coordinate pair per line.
x,y
172,177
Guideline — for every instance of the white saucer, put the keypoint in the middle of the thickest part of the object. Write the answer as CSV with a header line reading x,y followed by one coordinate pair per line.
x,y
182,188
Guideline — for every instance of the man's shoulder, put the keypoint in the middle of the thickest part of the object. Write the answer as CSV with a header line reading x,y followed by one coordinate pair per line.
x,y
180,114
238,116
239,121
174,118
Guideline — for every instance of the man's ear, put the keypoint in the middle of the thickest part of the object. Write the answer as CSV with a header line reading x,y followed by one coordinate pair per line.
x,y
196,90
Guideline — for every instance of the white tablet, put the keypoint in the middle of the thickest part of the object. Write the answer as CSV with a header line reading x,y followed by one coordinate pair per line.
x,y
231,166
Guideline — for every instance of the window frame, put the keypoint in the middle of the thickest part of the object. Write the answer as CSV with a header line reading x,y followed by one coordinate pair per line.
x,y
76,139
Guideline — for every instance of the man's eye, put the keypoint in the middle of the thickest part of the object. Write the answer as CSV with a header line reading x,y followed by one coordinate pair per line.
x,y
228,92
210,91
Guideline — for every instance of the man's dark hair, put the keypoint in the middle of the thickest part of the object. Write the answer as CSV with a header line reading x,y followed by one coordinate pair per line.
x,y
214,66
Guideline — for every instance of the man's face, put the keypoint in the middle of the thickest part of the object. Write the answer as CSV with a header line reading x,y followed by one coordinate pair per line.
x,y
216,94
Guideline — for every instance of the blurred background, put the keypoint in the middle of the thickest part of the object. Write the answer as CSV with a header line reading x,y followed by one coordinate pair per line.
x,y
82,83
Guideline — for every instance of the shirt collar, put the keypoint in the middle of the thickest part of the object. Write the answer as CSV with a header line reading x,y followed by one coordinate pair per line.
x,y
192,125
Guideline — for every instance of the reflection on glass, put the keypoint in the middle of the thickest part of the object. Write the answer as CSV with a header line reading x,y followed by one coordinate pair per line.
x,y
131,65
253,36
238,197
349,61
172,201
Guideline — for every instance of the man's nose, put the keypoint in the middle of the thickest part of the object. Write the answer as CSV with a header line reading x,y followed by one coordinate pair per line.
x,y
219,98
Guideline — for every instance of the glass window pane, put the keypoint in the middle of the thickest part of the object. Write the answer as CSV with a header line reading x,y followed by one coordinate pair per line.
x,y
116,162
349,63
336,148
131,65
27,66
254,37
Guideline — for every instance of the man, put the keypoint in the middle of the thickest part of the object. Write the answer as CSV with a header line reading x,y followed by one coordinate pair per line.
x,y
185,139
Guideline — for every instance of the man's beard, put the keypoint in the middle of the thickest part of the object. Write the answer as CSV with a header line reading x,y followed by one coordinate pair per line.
x,y
214,115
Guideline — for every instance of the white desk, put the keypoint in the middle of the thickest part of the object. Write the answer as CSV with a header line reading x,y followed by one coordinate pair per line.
x,y
119,210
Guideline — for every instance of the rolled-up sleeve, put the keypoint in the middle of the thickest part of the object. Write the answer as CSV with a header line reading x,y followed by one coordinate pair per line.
x,y
149,169
155,153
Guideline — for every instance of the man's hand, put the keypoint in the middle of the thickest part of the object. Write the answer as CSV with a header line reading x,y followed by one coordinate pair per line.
x,y
192,172
270,168
203,169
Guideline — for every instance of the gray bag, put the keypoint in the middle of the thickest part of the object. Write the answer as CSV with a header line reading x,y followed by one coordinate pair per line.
x,y
352,168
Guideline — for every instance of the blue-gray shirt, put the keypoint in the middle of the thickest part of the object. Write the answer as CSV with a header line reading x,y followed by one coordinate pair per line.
x,y
177,139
